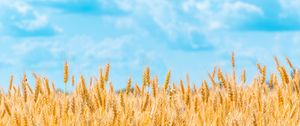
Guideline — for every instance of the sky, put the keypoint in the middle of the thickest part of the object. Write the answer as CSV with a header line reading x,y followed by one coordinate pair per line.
x,y
187,36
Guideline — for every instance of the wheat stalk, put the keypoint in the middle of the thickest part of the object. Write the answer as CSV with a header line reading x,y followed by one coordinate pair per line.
x,y
289,62
166,85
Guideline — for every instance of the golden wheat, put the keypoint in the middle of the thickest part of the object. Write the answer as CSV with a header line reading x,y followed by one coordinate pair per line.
x,y
263,101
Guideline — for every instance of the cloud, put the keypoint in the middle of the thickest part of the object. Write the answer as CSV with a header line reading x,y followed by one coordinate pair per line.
x,y
191,42
168,25
221,15
274,20
290,7
245,16
239,10
20,19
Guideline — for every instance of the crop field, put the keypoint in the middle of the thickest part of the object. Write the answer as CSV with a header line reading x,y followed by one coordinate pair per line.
x,y
224,99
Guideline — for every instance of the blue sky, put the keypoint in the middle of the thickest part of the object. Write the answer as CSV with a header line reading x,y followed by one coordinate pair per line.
x,y
185,36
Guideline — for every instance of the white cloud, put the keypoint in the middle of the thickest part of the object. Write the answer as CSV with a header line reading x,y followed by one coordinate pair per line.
x,y
22,7
214,25
124,5
58,29
126,23
23,47
22,19
289,7
38,22
164,15
178,23
216,15
238,7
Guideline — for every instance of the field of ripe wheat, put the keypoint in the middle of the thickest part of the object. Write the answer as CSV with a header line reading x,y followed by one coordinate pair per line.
x,y
225,99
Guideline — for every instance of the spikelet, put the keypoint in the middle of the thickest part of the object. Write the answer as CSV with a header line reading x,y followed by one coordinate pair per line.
x,y
220,97
15,89
106,75
128,86
254,122
188,81
66,73
230,92
16,119
234,77
259,102
296,82
182,88
204,91
271,85
66,108
95,100
143,88
24,91
196,104
90,105
213,82
7,109
25,121
47,86
275,81
166,85
289,62
101,79
111,87
260,69
292,115
219,75
279,97
122,101
11,82
53,108
146,77
214,72
91,81
283,75
103,100
53,87
37,89
243,76
263,72
221,79
24,78
73,80
232,60
145,104
115,112
276,61
187,96
2,114
154,86
98,95
85,95
137,89
30,89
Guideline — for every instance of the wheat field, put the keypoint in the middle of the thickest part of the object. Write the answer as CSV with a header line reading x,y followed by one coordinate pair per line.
x,y
224,99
